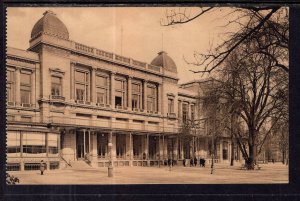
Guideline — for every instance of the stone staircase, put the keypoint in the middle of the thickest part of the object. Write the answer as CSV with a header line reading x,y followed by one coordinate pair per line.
x,y
79,165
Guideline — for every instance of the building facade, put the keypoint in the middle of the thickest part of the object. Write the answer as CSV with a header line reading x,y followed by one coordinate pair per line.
x,y
66,102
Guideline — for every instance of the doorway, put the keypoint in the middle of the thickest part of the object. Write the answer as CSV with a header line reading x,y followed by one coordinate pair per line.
x,y
82,145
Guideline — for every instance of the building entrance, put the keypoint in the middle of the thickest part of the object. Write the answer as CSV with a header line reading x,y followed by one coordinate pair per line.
x,y
82,144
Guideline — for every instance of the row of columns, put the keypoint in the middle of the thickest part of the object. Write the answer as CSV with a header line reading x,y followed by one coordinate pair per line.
x,y
162,147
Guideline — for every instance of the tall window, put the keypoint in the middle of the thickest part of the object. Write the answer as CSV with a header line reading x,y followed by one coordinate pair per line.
x,y
152,98
170,105
192,112
120,92
56,86
137,146
102,145
82,85
25,88
10,86
136,101
102,89
121,145
185,112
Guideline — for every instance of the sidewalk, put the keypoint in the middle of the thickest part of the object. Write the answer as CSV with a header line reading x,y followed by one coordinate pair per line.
x,y
223,174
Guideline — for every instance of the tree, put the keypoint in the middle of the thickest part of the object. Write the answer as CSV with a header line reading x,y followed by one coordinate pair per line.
x,y
253,23
250,84
213,110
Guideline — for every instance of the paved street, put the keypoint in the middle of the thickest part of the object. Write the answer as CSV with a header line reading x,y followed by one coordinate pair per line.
x,y
224,174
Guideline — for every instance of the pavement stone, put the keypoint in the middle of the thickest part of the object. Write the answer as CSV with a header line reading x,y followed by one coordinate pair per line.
x,y
223,174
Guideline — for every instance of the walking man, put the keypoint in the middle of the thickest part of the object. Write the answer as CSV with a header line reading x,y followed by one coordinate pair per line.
x,y
42,167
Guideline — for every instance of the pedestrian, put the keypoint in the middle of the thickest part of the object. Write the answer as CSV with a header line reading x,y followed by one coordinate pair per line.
x,y
170,164
183,162
191,162
195,161
42,167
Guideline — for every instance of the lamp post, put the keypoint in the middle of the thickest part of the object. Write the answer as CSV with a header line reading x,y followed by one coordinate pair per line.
x,y
213,148
110,166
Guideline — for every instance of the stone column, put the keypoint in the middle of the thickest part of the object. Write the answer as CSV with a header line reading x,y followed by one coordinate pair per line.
x,y
18,84
84,148
47,145
93,86
147,149
145,95
131,149
114,147
21,144
159,98
89,148
129,93
72,78
112,89
33,89
94,149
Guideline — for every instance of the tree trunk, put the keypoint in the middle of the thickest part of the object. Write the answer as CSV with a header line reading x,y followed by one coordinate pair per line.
x,y
251,160
232,152
283,156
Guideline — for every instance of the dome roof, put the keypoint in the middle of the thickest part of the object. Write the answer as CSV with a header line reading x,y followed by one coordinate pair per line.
x,y
163,60
51,25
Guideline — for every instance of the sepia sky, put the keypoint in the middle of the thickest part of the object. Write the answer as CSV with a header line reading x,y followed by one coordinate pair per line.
x,y
143,36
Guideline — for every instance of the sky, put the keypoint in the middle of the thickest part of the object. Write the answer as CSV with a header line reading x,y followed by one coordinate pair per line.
x,y
134,32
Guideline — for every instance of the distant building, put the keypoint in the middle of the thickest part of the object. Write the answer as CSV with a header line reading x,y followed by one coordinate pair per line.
x,y
66,101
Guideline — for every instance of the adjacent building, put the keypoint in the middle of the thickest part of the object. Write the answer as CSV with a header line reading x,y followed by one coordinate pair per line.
x,y
66,102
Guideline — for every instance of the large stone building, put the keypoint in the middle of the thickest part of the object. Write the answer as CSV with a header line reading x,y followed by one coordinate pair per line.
x,y
66,102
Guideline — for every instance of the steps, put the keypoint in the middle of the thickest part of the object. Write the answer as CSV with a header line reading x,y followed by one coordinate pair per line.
x,y
79,165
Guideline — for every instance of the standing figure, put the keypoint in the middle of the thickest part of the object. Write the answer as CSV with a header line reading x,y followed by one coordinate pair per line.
x,y
42,167
191,162
195,161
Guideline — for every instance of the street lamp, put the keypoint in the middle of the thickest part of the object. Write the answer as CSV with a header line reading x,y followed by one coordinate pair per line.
x,y
110,166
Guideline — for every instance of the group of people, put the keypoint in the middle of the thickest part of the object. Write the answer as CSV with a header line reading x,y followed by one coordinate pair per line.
x,y
194,161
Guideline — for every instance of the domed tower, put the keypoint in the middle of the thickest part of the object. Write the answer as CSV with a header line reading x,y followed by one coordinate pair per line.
x,y
169,85
49,24
163,60
50,39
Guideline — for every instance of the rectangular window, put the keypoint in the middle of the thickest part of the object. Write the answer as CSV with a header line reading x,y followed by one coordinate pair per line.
x,y
184,112
10,86
102,89
34,144
82,85
137,146
53,143
56,86
170,105
120,93
192,112
13,143
152,97
136,101
101,96
25,88
102,145
121,145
